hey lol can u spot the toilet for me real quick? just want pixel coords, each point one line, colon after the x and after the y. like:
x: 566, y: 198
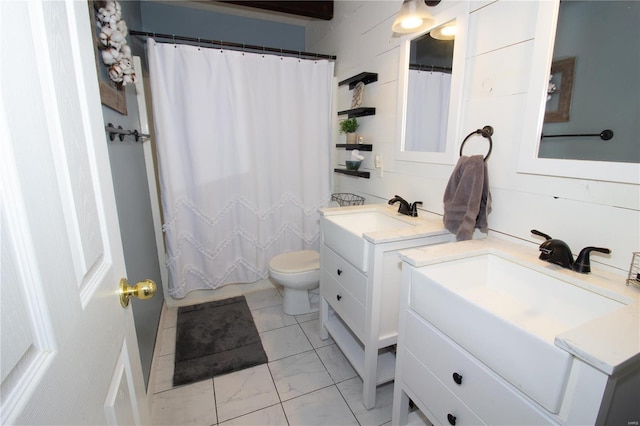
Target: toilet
x: 298, y: 272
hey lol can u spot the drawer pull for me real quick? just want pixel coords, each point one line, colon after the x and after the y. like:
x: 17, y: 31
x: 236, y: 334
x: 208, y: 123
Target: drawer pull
x: 339, y: 271
x: 457, y: 378
x: 338, y: 297
x: 452, y: 419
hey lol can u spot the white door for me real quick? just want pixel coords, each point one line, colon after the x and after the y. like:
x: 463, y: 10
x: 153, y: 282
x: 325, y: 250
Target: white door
x: 68, y: 349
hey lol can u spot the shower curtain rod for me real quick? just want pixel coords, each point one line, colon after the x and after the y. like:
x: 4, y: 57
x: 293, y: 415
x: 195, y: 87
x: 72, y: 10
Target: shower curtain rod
x: 236, y: 46
x: 422, y: 67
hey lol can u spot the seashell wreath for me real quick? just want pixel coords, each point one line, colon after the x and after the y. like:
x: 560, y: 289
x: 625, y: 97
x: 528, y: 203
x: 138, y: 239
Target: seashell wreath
x: 115, y: 52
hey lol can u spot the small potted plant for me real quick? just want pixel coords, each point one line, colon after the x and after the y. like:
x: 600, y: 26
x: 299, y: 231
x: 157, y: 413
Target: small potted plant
x: 349, y: 126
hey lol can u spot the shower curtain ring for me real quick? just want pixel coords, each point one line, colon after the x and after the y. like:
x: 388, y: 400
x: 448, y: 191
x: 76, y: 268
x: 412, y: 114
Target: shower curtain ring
x: 174, y: 40
x: 281, y: 53
x: 263, y: 50
x: 221, y: 51
x: 198, y: 43
x: 243, y: 49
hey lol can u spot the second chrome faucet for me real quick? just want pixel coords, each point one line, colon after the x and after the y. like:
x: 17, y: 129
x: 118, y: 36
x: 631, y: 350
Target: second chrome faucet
x: 406, y: 208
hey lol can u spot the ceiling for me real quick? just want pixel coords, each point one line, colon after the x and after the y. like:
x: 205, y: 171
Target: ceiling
x: 288, y: 12
x: 314, y: 9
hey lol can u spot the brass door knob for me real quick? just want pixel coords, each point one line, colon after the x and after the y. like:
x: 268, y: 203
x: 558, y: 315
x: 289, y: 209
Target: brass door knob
x: 143, y: 290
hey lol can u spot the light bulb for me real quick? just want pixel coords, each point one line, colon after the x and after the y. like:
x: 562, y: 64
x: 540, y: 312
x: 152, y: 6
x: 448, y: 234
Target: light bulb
x: 449, y: 31
x: 411, y: 22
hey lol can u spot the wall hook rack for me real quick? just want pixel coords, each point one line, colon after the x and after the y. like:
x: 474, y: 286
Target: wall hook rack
x: 113, y: 131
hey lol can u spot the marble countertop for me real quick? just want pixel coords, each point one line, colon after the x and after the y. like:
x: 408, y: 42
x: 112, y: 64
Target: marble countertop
x: 425, y: 225
x: 610, y: 343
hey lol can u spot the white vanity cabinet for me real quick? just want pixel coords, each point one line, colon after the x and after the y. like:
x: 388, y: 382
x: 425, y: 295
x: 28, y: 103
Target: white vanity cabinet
x: 360, y: 283
x: 449, y: 385
x: 453, y: 381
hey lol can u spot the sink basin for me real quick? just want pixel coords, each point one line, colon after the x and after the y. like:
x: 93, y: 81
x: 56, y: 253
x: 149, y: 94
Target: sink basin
x: 364, y: 222
x: 516, y: 312
x: 351, y: 244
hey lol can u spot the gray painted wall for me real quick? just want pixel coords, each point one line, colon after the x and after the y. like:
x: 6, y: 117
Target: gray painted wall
x: 134, y: 210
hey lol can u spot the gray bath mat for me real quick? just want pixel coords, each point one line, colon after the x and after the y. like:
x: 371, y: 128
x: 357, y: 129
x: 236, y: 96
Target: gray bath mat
x: 215, y: 338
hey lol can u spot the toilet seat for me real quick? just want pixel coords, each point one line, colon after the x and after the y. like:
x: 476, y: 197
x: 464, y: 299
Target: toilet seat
x: 295, y: 262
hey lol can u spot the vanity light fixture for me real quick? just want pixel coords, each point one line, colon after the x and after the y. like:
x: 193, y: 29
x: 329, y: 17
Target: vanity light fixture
x: 446, y: 32
x: 414, y: 16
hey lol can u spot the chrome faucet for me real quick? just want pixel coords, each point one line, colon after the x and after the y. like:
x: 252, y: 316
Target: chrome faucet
x: 406, y: 208
x: 558, y: 252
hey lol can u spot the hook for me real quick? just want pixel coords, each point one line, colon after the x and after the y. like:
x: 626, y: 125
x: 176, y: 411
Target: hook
x: 112, y: 135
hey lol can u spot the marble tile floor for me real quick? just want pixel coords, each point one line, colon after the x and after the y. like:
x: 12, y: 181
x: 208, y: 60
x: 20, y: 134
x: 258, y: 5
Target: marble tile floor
x: 307, y: 381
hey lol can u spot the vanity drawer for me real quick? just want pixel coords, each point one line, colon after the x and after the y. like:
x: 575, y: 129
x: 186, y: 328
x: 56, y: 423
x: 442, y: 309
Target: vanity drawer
x: 345, y: 273
x: 433, y: 396
x: 344, y: 303
x: 488, y: 395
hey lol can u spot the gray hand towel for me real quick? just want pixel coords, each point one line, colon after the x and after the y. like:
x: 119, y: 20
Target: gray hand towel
x: 467, y: 200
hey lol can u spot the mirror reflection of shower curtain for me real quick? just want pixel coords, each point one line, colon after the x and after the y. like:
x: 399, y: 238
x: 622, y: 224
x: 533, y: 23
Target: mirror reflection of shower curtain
x: 427, y: 111
x: 244, y: 157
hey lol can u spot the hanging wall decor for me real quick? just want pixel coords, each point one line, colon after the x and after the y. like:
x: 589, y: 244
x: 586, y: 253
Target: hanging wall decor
x: 112, y: 94
x: 115, y: 52
x: 560, y: 91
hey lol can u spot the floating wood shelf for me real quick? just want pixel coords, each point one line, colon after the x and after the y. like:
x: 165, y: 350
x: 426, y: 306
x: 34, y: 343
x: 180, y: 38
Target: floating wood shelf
x: 353, y: 173
x: 358, y: 112
x: 365, y: 77
x: 359, y: 146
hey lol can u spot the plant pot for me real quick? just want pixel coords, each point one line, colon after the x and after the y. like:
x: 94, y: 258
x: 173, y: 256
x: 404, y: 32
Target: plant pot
x: 353, y: 165
x: 351, y: 138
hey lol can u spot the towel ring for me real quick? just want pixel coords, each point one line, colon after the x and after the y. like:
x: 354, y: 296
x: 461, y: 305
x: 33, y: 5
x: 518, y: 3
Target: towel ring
x: 486, y: 132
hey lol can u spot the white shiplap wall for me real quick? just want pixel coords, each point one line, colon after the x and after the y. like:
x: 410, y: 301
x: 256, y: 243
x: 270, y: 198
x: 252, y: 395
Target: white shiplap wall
x: 498, y: 68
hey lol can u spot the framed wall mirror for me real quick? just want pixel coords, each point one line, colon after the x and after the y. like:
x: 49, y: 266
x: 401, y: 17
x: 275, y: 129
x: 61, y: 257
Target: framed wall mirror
x: 588, y: 128
x: 430, y: 89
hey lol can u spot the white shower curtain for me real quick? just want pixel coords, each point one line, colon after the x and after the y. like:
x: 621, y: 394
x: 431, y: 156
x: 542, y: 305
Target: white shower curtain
x: 244, y: 155
x: 427, y: 111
